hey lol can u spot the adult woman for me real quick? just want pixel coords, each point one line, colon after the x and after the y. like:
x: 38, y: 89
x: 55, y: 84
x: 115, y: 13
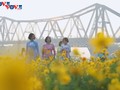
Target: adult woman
x: 65, y: 48
x: 48, y: 49
x: 32, y: 49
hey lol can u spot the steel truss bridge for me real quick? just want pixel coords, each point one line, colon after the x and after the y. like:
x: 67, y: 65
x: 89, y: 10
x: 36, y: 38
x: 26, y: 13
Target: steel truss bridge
x: 79, y: 27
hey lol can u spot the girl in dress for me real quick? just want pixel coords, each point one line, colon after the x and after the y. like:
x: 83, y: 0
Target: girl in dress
x: 48, y: 49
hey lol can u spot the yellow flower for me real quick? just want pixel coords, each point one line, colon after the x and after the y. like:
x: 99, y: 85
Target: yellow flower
x: 101, y: 41
x: 58, y: 67
x: 114, y: 75
x: 64, y: 79
x: 118, y: 69
x: 17, y: 75
x: 75, y: 70
x: 51, y: 58
x: 35, y: 84
x: 117, y: 53
x: 76, y: 52
x: 66, y: 59
x: 64, y: 53
x: 46, y: 71
x: 114, y: 85
x: 100, y: 76
x: 38, y: 59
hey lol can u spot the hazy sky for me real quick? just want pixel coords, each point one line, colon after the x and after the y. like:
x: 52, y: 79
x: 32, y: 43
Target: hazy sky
x: 38, y: 9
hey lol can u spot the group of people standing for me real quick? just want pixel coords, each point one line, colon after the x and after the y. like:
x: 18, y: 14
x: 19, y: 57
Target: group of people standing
x: 48, y: 49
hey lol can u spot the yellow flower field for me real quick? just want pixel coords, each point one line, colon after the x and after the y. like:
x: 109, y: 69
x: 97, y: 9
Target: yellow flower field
x: 96, y: 73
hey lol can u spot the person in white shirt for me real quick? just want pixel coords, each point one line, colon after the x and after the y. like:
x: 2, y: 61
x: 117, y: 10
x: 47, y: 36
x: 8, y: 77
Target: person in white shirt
x: 65, y: 47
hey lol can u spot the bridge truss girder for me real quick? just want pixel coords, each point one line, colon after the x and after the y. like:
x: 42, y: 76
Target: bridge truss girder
x: 85, y: 23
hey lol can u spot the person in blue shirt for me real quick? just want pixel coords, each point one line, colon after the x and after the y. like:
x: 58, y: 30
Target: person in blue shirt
x: 32, y: 48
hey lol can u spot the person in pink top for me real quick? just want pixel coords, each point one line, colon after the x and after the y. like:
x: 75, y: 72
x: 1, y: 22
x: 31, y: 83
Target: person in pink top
x: 48, y: 49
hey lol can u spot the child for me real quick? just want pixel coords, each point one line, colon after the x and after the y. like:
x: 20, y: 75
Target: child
x: 59, y: 50
x: 48, y: 49
x: 59, y: 47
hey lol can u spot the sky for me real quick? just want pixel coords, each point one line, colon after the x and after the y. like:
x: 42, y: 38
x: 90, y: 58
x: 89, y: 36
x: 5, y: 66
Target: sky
x: 39, y: 9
